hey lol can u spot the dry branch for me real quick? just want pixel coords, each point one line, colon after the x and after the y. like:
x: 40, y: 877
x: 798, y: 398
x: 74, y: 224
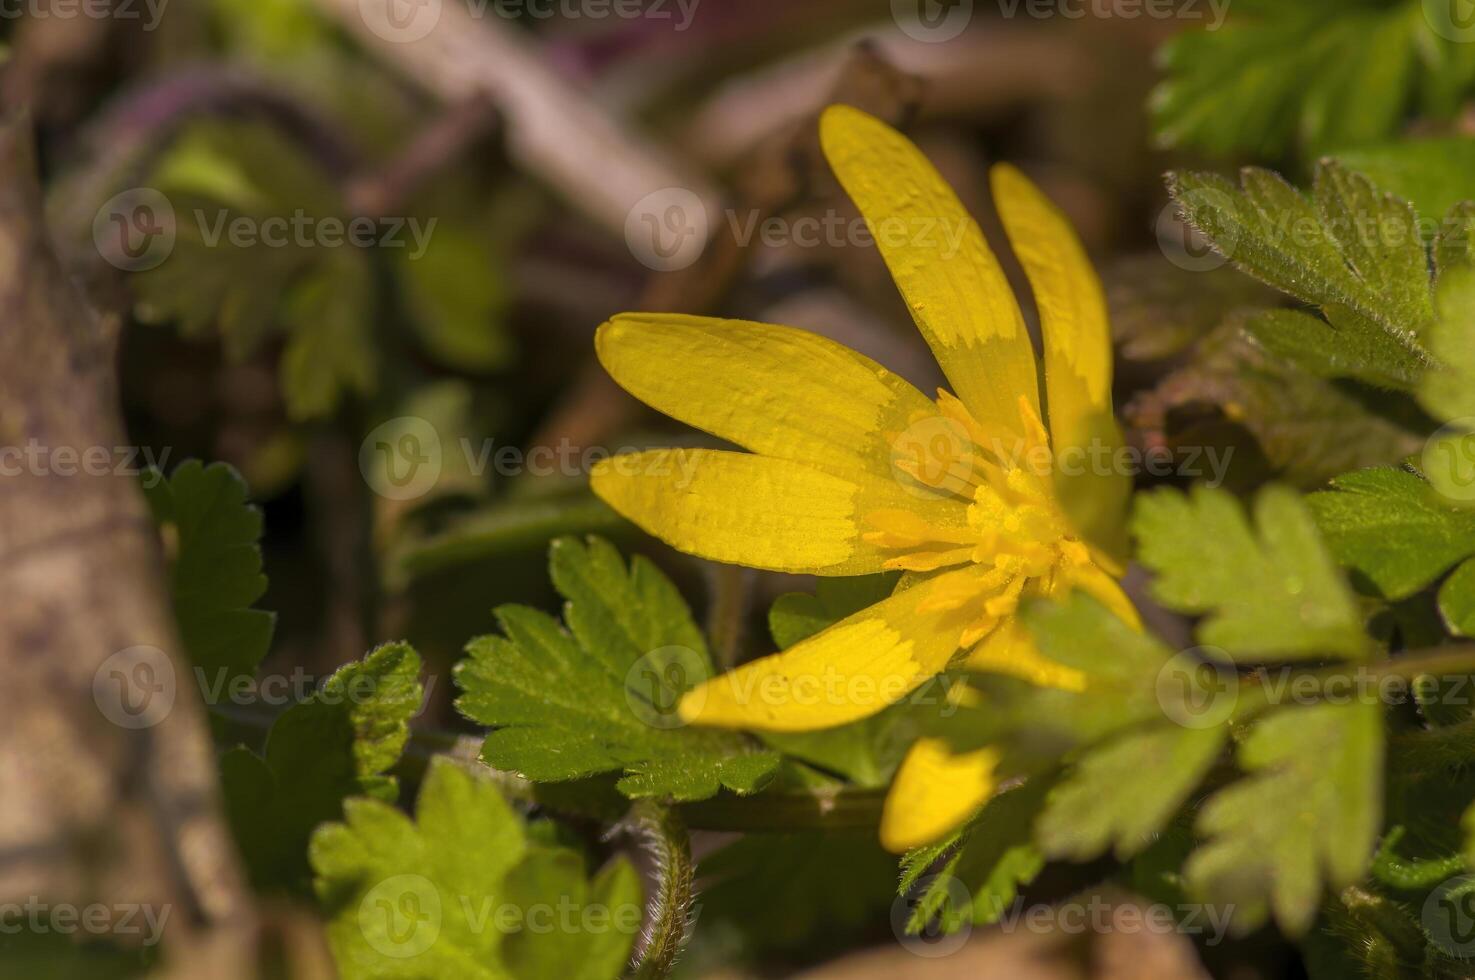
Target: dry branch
x: 95, y: 811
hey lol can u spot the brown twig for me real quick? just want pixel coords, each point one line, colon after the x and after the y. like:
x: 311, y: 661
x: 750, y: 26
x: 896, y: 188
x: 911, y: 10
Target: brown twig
x: 108, y: 774
x: 442, y: 142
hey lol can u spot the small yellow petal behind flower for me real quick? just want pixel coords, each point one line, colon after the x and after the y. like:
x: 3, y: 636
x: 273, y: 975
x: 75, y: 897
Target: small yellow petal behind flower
x: 934, y: 792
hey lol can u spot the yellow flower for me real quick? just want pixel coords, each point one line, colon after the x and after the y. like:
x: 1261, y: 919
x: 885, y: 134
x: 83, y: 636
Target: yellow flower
x: 850, y: 470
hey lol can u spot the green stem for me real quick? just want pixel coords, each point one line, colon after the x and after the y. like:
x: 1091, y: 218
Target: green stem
x: 662, y: 837
x: 1451, y: 659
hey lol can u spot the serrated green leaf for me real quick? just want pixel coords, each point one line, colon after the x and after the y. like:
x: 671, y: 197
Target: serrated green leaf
x: 600, y: 695
x: 1457, y: 600
x: 1320, y: 349
x: 1312, y: 75
x: 1392, y: 527
x: 1449, y: 391
x: 1121, y: 793
x: 1268, y: 590
x: 1433, y: 174
x: 1306, y: 817
x: 975, y: 876
x: 215, y: 576
x: 1350, y: 250
x: 339, y: 742
x: 464, y: 890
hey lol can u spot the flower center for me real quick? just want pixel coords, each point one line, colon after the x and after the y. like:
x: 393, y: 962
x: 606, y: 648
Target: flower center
x: 1005, y: 521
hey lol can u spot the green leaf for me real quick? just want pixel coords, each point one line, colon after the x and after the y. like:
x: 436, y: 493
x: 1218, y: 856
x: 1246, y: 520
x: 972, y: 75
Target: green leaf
x: 832, y: 883
x: 1433, y: 174
x: 1320, y: 349
x: 331, y: 353
x: 249, y: 289
x: 1350, y: 250
x: 975, y: 876
x: 215, y: 575
x: 1307, y: 816
x: 1036, y: 728
x: 465, y: 890
x: 600, y: 695
x: 1121, y: 793
x: 1392, y: 527
x: 1449, y: 392
x: 457, y: 299
x: 339, y: 742
x: 796, y: 616
x: 1312, y: 75
x: 1268, y: 589
x: 1457, y: 600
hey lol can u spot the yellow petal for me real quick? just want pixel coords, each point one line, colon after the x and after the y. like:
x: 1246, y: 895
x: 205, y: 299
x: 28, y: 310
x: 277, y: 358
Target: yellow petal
x: 934, y: 792
x: 775, y: 390
x: 757, y: 510
x: 1009, y: 649
x: 950, y: 279
x: 1103, y: 588
x: 846, y: 672
x: 1077, y: 341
